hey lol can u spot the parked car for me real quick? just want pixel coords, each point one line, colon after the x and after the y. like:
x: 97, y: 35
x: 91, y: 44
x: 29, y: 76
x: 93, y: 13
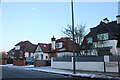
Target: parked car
x: 30, y: 61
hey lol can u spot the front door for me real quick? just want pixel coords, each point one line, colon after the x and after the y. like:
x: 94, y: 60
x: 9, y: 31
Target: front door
x: 41, y: 56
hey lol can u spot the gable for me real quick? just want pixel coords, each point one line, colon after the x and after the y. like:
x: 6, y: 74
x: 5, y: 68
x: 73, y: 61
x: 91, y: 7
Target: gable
x: 107, y: 31
x: 38, y: 49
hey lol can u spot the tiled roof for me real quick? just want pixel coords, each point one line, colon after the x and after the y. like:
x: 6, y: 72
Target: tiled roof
x: 11, y: 51
x: 45, y: 47
x: 68, y: 45
x: 112, y: 28
x: 26, y: 46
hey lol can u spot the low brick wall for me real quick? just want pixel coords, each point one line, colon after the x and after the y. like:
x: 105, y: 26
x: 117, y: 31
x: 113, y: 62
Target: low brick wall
x: 3, y: 62
x: 38, y: 63
x: 18, y: 62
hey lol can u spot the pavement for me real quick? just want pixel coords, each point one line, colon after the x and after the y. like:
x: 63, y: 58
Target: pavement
x: 83, y: 74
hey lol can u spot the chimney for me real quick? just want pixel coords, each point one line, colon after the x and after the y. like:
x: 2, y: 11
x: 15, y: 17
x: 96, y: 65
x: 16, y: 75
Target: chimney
x: 118, y: 19
x: 53, y: 43
x: 105, y: 20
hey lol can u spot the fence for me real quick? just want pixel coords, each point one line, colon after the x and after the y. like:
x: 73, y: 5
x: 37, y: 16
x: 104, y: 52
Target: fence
x: 91, y: 63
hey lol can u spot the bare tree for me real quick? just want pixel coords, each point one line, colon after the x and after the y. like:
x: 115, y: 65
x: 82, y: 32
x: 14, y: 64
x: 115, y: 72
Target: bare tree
x: 3, y: 55
x: 79, y: 33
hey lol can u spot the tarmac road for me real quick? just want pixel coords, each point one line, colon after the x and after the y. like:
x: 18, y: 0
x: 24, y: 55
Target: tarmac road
x: 16, y: 73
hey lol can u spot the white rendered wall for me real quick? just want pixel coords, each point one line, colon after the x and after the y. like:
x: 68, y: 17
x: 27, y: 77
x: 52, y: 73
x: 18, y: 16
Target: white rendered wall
x: 53, y: 44
x: 108, y: 43
x: 61, y: 65
x: 90, y: 66
x: 118, y: 50
x: 113, y: 43
x: 87, y: 66
x: 38, y: 49
x: 44, y: 56
x: 39, y: 55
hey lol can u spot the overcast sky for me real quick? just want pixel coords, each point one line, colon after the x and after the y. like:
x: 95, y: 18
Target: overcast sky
x: 39, y: 21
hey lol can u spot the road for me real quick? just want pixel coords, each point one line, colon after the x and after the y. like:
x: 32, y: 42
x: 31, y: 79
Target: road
x: 15, y: 73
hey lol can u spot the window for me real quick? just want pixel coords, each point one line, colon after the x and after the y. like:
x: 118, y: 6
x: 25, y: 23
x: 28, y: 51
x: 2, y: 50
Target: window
x: 59, y: 45
x: 89, y: 40
x: 41, y: 56
x: 17, y: 47
x: 36, y: 56
x: 102, y: 36
x: 46, y: 57
x: 45, y: 46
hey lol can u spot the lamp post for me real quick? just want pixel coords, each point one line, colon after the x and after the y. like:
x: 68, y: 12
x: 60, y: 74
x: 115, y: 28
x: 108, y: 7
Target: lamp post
x: 74, y: 71
x: 118, y: 24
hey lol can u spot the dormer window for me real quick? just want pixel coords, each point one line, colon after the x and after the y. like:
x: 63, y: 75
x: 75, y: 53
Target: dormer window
x: 17, y: 47
x: 45, y: 46
x: 89, y: 40
x: 59, y: 45
x: 102, y: 36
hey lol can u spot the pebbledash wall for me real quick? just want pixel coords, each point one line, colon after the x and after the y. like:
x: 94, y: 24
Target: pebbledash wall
x: 101, y: 63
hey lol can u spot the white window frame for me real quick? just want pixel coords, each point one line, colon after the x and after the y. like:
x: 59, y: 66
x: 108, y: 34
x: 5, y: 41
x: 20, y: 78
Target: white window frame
x: 103, y: 36
x: 17, y: 47
x: 59, y: 45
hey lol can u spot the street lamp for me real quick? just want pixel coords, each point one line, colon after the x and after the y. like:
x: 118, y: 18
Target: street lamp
x: 73, y: 36
x: 118, y: 24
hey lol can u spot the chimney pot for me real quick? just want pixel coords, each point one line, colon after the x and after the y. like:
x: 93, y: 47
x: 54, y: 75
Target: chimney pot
x: 105, y: 20
x: 118, y: 19
x: 53, y: 39
x: 53, y: 43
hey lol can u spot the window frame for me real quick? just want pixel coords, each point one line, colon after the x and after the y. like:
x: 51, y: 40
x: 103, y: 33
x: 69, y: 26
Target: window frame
x: 103, y: 36
x: 59, y: 45
x: 89, y: 40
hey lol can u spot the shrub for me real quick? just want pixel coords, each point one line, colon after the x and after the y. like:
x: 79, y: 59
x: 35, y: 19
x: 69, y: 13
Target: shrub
x: 10, y: 61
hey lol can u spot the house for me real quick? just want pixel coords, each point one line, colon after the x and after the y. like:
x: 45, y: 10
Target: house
x: 64, y: 47
x: 43, y: 55
x: 24, y: 49
x: 104, y: 39
x: 11, y: 53
x: 42, y: 51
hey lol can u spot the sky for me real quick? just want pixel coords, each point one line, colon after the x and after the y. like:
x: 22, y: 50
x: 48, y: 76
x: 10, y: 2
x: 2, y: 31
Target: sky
x: 38, y: 22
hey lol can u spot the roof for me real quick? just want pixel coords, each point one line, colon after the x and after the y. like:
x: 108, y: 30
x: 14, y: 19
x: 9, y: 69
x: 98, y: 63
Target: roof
x: 112, y: 28
x: 67, y: 46
x: 11, y: 51
x: 45, y: 47
x: 26, y: 46
x: 63, y: 39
